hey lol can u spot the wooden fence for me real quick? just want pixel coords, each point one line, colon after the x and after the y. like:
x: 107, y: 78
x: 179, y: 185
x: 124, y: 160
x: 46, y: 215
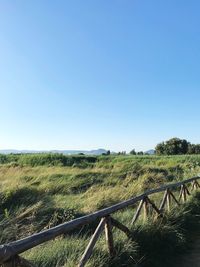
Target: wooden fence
x: 9, y: 253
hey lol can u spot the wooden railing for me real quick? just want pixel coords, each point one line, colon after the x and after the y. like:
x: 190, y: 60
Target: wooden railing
x: 9, y: 253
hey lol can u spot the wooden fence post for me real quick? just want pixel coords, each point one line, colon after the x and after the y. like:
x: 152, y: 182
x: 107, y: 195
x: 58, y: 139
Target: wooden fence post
x: 92, y: 243
x: 184, y: 194
x: 145, y: 208
x: 174, y: 198
x: 186, y: 190
x: 193, y: 186
x: 154, y: 207
x: 137, y: 214
x: 109, y: 236
x: 168, y: 200
x: 197, y: 184
x: 162, y: 205
x: 121, y: 227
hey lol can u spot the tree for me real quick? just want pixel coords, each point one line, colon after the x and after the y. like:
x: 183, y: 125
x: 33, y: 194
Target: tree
x: 174, y: 146
x: 160, y: 149
x: 108, y: 153
x: 132, y: 152
x: 193, y: 149
x: 177, y: 146
x: 197, y: 149
x: 121, y: 153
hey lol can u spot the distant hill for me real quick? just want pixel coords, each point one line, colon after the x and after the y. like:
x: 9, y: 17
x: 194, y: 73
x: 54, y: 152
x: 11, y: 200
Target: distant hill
x: 150, y: 152
x: 99, y: 151
x: 65, y: 152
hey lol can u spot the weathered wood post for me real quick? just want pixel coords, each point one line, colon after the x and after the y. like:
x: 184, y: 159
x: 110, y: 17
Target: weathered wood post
x: 193, y: 186
x: 109, y: 236
x: 137, y: 214
x: 174, y: 198
x: 197, y: 184
x: 121, y: 227
x: 145, y: 209
x: 162, y: 205
x: 184, y: 194
x: 154, y: 207
x: 168, y: 200
x: 92, y: 243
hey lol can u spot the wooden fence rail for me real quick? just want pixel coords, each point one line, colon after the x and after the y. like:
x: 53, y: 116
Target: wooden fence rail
x: 9, y: 253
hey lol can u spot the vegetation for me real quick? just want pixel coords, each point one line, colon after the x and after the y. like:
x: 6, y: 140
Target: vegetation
x: 132, y: 152
x: 176, y: 146
x: 40, y: 191
x: 51, y: 159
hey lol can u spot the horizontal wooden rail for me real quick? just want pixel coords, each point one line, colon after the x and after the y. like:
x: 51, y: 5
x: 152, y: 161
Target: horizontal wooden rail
x: 12, y: 249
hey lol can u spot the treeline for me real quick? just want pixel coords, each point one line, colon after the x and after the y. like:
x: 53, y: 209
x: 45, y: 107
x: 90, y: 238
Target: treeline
x: 177, y: 146
x: 50, y: 159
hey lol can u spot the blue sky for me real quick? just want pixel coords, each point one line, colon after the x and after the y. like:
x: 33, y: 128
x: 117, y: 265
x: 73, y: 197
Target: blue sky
x: 90, y: 74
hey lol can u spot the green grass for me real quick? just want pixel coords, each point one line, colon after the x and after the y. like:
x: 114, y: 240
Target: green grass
x: 40, y: 191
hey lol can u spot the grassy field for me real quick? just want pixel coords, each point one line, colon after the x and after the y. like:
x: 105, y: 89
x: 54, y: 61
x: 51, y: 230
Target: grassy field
x: 40, y: 191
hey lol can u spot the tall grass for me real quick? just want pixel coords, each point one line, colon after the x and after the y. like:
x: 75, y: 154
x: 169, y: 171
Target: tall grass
x: 40, y: 191
x: 154, y: 243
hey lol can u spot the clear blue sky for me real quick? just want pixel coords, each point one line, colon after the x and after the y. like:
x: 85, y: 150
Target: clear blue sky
x: 88, y: 74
